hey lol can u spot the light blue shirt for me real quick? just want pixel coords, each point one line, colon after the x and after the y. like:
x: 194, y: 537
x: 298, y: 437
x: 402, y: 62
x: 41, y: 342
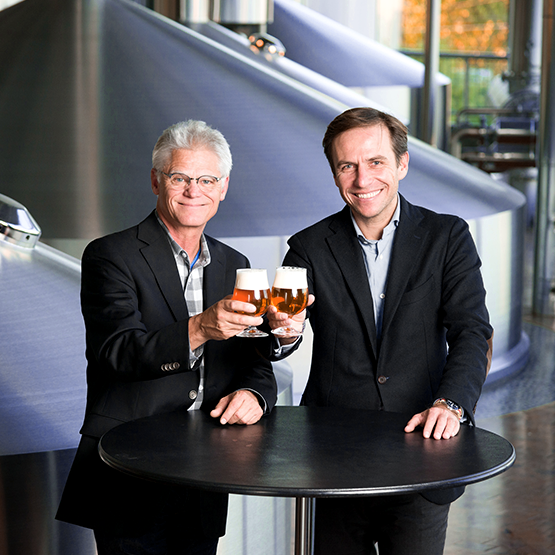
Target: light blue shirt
x: 377, y: 255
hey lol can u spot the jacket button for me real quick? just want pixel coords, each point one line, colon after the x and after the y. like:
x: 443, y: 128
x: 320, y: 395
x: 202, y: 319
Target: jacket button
x: 164, y: 367
x: 193, y: 394
x: 382, y: 379
x: 175, y: 365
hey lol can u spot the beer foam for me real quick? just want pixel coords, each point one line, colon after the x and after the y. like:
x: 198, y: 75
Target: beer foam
x: 288, y: 277
x: 252, y: 279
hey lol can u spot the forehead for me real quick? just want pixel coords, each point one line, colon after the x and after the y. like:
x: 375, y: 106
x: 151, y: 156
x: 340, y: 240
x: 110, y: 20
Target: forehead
x: 183, y: 158
x: 363, y: 141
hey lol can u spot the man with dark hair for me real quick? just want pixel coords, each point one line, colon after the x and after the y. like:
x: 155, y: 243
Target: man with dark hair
x: 160, y: 337
x: 399, y: 321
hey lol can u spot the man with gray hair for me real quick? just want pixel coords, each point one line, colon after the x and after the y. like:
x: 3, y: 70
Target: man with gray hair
x: 160, y: 336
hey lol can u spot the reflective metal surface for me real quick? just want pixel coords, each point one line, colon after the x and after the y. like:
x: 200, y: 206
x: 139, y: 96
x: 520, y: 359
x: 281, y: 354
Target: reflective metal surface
x: 337, y: 52
x: 17, y: 226
x: 116, y: 74
x: 544, y: 266
x: 42, y: 356
x: 242, y: 11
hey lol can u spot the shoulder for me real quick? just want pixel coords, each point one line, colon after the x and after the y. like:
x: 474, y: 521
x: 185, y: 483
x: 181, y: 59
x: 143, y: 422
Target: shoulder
x: 329, y: 225
x: 127, y: 240
x: 218, y: 249
x: 435, y: 222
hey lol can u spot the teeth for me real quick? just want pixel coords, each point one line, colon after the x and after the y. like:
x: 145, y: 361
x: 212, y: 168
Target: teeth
x: 368, y: 195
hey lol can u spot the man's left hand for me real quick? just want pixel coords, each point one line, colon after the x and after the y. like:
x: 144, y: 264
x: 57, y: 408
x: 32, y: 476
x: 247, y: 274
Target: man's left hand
x: 239, y: 407
x: 438, y: 421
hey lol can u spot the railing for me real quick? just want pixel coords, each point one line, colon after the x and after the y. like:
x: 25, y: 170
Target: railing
x: 471, y: 76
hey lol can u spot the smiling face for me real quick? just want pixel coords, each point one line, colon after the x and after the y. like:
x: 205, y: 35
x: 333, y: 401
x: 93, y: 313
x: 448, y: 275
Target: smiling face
x: 367, y: 175
x: 186, y: 210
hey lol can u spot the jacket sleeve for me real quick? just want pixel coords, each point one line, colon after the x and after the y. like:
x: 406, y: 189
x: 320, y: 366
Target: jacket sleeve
x: 115, y: 304
x: 465, y: 317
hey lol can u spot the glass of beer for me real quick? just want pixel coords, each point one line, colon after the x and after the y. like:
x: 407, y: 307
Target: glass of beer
x: 251, y: 286
x: 289, y: 295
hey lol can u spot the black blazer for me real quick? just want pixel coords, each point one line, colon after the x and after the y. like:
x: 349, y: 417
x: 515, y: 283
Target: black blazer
x: 434, y: 298
x: 137, y: 351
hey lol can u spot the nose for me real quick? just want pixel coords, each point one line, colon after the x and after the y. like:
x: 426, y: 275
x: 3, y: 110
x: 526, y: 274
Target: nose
x: 192, y: 189
x: 363, y: 176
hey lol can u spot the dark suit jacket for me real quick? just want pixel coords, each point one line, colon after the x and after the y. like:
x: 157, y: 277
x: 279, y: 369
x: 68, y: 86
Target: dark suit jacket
x: 434, y: 298
x: 137, y: 349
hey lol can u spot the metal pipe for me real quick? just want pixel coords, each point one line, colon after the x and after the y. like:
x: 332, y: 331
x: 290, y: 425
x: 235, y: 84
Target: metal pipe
x: 304, y: 525
x: 542, y: 302
x: 428, y: 125
x: 524, y: 45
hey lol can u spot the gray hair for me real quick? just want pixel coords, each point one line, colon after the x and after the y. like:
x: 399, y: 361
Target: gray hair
x: 191, y: 135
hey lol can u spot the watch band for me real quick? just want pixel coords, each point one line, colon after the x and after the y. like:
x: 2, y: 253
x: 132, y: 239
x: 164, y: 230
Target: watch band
x: 450, y: 405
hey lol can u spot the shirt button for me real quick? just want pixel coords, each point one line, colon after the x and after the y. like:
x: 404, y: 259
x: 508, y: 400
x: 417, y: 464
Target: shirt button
x: 192, y: 394
x: 382, y: 296
x: 382, y: 379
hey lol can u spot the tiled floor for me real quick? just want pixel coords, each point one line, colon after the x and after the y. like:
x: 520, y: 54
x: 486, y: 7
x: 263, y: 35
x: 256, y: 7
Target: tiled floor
x: 514, y: 513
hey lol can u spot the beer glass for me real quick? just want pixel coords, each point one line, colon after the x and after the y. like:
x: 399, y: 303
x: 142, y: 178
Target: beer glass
x: 289, y: 295
x: 251, y: 286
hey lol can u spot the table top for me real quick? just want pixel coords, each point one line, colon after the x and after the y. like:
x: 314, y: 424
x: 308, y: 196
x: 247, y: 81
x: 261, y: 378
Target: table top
x: 303, y: 452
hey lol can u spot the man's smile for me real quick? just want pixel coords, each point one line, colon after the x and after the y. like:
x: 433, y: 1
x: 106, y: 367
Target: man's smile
x: 368, y: 195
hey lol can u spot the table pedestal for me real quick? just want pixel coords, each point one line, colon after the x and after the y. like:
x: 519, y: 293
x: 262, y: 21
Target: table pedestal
x: 304, y: 525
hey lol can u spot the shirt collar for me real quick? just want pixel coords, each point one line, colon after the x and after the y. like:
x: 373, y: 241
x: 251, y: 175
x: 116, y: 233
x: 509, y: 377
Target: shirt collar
x: 203, y: 259
x: 389, y: 228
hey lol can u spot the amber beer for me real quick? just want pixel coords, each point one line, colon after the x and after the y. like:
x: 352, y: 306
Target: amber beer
x: 251, y: 286
x: 289, y: 294
x: 290, y: 301
x: 260, y: 298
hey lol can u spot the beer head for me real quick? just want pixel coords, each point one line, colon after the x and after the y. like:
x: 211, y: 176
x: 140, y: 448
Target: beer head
x: 252, y: 279
x: 289, y: 277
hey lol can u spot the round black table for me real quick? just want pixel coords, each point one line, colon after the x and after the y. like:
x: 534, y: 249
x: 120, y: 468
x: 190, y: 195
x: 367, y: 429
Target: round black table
x: 303, y: 452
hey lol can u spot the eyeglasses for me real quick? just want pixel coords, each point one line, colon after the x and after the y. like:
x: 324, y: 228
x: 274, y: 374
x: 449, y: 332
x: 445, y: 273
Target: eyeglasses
x: 182, y: 181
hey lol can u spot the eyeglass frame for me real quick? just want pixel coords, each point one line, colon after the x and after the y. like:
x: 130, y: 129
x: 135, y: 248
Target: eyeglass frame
x: 170, y: 175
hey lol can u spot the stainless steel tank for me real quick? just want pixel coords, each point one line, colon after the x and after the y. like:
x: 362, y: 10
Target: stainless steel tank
x: 42, y: 392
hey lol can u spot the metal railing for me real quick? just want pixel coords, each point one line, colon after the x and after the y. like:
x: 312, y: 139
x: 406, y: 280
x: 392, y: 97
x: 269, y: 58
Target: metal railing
x: 471, y: 75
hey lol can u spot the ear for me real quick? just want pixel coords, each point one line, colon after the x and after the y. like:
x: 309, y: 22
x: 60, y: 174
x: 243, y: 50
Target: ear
x: 154, y: 181
x: 223, y: 192
x: 403, y: 167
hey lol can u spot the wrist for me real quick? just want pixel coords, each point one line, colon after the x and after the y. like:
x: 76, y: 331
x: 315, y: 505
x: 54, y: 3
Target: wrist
x: 450, y: 405
x: 196, y: 337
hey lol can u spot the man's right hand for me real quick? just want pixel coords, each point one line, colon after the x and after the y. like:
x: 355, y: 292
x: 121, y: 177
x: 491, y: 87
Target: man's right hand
x: 221, y: 321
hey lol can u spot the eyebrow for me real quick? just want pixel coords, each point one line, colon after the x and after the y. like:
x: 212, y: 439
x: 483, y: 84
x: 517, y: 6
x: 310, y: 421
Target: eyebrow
x: 378, y: 157
x: 371, y: 159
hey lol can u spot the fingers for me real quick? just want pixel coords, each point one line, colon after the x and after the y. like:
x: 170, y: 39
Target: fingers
x: 438, y: 422
x: 240, y: 407
x: 414, y: 422
x: 221, y: 321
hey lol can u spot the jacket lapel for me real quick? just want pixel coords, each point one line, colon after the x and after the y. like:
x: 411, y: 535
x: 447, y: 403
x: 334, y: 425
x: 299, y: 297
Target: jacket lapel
x: 159, y: 256
x: 409, y: 239
x: 347, y: 252
x: 214, y: 275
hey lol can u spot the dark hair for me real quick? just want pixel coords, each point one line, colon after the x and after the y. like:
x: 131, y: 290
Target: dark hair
x: 366, y: 117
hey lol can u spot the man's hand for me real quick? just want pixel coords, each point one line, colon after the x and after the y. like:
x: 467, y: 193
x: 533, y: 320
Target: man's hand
x: 239, y: 407
x: 221, y: 321
x: 278, y: 319
x: 444, y: 423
